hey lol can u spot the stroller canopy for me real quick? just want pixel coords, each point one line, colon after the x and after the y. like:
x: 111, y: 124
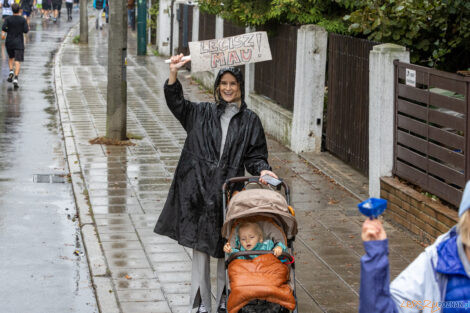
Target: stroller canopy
x: 260, y: 202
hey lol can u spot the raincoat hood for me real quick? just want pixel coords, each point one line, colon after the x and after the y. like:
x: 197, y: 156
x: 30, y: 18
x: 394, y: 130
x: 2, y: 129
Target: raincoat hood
x: 238, y: 75
x: 465, y: 203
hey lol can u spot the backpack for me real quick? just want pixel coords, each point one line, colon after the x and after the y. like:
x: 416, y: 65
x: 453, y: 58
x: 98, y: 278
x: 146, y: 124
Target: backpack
x: 99, y: 4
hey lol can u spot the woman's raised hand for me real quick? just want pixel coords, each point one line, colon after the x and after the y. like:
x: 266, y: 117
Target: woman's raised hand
x: 372, y: 229
x: 176, y: 63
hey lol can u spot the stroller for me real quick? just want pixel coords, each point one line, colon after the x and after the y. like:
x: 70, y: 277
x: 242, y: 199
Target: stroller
x: 265, y: 283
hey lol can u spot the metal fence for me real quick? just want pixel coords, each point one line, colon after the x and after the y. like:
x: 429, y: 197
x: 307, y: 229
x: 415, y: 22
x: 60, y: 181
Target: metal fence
x: 276, y: 78
x: 432, y: 139
x: 347, y: 118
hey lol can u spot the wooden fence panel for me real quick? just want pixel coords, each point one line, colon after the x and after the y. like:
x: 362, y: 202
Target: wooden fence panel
x: 206, y: 26
x: 432, y: 130
x: 347, y: 122
x: 275, y: 79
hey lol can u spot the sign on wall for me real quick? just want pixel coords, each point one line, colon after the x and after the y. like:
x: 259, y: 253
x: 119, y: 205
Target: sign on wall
x: 229, y: 51
x: 410, y: 78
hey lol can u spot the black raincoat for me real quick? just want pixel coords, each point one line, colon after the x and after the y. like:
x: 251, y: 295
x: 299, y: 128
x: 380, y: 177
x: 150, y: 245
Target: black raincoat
x: 192, y: 214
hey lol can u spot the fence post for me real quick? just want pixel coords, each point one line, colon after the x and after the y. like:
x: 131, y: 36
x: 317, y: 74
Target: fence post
x: 381, y: 111
x: 195, y: 23
x: 219, y: 27
x: 309, y: 88
x: 163, y: 27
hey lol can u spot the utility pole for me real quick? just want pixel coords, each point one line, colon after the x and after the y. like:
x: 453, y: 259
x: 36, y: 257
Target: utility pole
x: 116, y: 115
x: 83, y: 22
x: 142, y: 27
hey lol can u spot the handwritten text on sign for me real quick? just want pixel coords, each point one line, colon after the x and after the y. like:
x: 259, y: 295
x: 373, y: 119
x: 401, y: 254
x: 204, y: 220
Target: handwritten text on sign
x: 230, y: 51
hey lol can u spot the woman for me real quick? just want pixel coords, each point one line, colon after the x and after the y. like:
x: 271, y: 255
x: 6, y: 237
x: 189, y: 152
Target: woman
x: 223, y: 138
x: 438, y: 279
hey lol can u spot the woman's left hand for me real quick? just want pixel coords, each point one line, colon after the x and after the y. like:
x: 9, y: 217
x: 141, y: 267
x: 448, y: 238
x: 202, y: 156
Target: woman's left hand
x: 266, y: 172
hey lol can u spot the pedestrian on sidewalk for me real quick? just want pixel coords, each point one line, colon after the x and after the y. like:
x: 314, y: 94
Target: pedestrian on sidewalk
x: 56, y: 6
x: 106, y: 12
x: 223, y: 139
x: 46, y: 9
x: 99, y: 5
x: 131, y: 14
x: 6, y: 11
x: 27, y: 7
x: 14, y: 27
x: 69, y: 6
x: 439, y: 278
x: 6, y: 8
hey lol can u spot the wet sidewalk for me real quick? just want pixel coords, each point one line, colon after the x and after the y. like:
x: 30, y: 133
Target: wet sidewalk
x: 121, y: 190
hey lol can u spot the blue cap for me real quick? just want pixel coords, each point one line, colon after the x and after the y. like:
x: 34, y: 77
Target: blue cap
x: 465, y: 203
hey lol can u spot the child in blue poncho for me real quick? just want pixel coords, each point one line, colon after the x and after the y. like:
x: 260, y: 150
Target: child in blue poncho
x: 250, y: 237
x: 438, y: 280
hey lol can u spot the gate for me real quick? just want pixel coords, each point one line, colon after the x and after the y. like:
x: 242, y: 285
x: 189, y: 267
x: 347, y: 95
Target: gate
x: 275, y: 79
x: 206, y: 26
x: 185, y: 30
x: 347, y: 120
x: 432, y: 139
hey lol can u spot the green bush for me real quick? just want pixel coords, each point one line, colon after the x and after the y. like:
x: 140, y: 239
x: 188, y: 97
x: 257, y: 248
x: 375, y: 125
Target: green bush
x: 437, y: 32
x: 327, y: 13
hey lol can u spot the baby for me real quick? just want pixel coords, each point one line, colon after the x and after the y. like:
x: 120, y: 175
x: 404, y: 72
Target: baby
x: 250, y: 237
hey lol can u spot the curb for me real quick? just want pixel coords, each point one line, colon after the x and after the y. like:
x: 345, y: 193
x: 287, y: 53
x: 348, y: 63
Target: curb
x: 99, y: 270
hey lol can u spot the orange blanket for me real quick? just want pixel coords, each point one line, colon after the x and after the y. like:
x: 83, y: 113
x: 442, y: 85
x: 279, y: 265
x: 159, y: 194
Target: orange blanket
x: 264, y: 277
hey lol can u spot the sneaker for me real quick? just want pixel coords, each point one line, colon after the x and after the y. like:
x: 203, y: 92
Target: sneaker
x: 10, y: 77
x: 15, y: 82
x: 202, y: 309
x: 223, y: 304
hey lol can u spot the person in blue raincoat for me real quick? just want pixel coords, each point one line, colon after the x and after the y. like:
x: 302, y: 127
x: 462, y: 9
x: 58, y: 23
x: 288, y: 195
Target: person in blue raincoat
x: 438, y: 280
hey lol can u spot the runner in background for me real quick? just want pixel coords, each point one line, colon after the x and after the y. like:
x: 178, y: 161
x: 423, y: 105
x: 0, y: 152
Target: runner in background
x: 27, y: 7
x: 69, y: 5
x: 14, y: 27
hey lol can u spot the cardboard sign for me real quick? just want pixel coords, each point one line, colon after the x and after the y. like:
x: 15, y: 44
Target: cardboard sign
x: 229, y: 51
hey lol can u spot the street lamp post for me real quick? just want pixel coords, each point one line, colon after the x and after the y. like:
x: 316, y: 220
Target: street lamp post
x: 142, y: 27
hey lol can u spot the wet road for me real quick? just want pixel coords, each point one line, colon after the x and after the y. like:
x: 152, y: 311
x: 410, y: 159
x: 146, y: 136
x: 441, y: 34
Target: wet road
x: 42, y: 264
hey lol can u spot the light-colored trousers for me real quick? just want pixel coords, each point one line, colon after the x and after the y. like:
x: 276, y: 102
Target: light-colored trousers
x: 99, y: 18
x: 201, y: 280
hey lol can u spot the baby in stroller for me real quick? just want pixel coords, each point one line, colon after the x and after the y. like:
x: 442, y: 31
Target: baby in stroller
x: 260, y: 228
x: 250, y: 237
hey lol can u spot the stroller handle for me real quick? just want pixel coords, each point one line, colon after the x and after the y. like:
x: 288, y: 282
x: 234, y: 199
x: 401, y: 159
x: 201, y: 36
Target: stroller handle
x: 251, y: 179
x: 258, y: 252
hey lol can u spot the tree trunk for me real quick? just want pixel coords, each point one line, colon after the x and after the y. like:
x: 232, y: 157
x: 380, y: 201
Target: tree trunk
x: 83, y: 21
x: 116, y: 116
